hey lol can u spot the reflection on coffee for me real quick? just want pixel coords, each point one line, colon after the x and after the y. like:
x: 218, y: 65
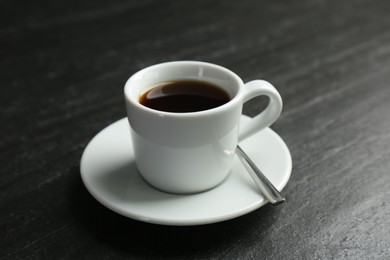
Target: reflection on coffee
x: 184, y: 96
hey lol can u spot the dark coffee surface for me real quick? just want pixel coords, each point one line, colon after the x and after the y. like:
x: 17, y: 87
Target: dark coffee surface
x: 184, y: 96
x: 63, y: 66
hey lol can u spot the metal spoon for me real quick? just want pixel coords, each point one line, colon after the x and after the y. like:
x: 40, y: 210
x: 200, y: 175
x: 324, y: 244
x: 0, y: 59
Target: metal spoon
x: 265, y: 186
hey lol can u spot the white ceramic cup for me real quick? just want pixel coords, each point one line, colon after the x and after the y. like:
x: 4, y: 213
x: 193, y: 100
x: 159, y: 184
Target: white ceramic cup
x: 192, y: 152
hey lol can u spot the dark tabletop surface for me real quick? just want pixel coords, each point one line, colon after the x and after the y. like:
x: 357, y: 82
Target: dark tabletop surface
x: 63, y: 65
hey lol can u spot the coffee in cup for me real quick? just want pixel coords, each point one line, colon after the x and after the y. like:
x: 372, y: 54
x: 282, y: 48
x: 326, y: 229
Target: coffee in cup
x: 183, y: 96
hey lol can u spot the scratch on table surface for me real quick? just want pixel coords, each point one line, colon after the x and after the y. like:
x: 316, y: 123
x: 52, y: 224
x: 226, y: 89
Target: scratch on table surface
x: 81, y: 16
x: 55, y: 175
x: 341, y: 238
x: 37, y: 240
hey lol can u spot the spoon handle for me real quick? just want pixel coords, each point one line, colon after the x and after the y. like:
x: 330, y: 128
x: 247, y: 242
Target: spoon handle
x: 265, y: 186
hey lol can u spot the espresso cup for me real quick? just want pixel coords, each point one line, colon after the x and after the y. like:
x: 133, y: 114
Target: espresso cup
x: 190, y: 152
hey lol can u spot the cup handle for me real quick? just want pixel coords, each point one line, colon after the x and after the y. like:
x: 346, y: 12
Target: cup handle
x: 268, y: 115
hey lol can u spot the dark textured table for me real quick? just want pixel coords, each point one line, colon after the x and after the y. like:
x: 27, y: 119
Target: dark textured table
x: 63, y: 67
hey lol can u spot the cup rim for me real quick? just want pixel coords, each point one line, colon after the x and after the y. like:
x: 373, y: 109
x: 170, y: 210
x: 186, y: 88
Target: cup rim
x: 221, y: 108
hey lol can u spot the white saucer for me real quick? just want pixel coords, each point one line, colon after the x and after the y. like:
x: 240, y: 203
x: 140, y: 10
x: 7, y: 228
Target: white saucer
x: 109, y: 173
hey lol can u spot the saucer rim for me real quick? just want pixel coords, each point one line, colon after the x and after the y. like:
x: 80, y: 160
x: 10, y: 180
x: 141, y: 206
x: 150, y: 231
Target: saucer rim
x: 183, y: 222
